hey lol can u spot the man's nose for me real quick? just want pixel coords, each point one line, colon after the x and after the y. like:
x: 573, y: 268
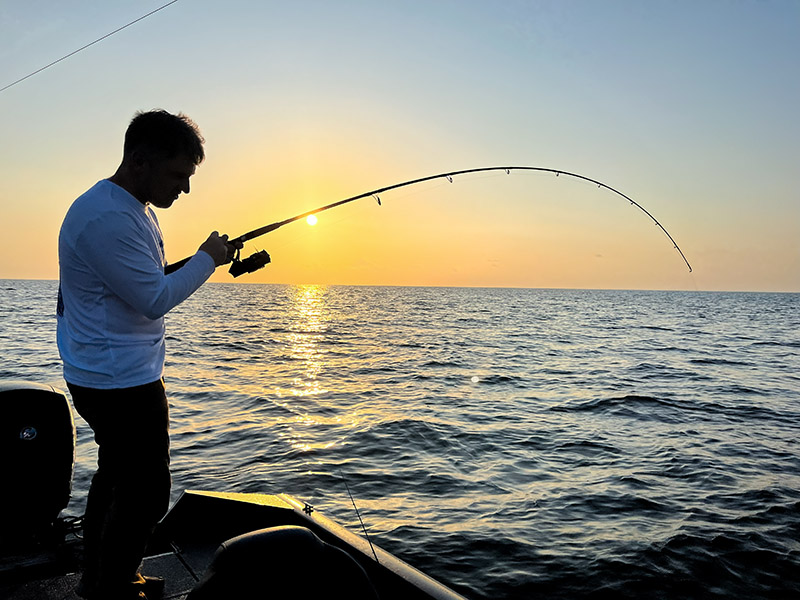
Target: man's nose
x: 185, y: 188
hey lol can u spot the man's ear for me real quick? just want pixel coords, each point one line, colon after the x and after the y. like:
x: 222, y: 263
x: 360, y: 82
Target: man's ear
x: 138, y: 159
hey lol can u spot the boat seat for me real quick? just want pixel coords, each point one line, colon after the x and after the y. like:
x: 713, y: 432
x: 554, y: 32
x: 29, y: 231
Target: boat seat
x: 37, y: 442
x: 282, y: 562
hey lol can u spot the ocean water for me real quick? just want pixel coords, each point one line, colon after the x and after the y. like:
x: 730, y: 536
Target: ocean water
x: 511, y: 443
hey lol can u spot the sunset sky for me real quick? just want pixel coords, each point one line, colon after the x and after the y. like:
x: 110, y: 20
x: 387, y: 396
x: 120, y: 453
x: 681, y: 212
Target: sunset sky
x: 688, y: 107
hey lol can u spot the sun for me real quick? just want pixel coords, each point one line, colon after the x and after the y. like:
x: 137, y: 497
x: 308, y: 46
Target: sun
x: 311, y: 219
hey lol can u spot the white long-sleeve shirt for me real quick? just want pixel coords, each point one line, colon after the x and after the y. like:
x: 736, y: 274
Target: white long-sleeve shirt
x: 113, y: 293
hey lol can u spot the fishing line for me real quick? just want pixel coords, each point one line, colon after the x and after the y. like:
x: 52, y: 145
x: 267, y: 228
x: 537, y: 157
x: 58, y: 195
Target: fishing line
x: 74, y: 52
x: 258, y: 261
x: 364, y: 529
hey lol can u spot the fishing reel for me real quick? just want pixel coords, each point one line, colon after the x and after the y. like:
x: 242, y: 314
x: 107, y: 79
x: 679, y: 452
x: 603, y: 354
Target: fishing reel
x: 252, y: 263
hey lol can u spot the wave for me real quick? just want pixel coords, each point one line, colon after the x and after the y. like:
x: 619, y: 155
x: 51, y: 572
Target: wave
x: 676, y: 410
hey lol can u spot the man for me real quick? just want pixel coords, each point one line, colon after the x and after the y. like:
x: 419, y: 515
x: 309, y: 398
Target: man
x: 113, y: 295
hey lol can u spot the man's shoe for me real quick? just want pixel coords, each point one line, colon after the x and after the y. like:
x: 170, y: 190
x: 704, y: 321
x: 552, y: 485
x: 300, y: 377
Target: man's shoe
x: 145, y: 588
x: 153, y: 587
x: 129, y: 593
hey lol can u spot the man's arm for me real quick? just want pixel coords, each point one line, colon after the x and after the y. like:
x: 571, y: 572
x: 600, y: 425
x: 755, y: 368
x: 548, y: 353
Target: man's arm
x: 123, y: 260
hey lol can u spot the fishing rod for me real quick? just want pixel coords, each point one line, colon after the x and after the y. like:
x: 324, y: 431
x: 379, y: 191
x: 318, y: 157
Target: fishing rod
x: 261, y: 259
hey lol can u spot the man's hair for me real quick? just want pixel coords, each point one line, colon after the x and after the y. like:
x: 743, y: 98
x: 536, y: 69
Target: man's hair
x: 159, y: 134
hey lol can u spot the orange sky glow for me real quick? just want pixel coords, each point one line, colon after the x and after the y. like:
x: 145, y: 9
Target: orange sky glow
x: 692, y: 115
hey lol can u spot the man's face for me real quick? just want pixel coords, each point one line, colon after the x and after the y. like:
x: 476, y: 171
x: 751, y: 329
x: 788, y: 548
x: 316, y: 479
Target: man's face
x: 162, y: 181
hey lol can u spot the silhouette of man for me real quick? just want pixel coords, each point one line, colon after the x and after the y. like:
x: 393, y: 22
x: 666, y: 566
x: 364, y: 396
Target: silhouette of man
x: 113, y: 295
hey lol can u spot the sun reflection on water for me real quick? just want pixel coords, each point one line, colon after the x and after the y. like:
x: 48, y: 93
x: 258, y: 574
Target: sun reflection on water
x: 309, y: 317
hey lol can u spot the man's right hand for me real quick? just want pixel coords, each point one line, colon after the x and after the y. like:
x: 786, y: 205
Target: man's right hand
x: 219, y: 249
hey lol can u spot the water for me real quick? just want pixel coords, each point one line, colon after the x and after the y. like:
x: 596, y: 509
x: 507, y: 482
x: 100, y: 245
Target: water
x: 511, y: 443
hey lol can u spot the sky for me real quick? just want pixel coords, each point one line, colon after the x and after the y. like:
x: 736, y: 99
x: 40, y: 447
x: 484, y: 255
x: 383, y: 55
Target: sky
x: 688, y: 107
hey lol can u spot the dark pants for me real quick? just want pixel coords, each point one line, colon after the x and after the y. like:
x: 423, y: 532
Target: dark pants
x: 130, y: 490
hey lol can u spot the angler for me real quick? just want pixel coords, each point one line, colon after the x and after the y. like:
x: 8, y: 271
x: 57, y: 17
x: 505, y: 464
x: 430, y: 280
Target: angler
x: 261, y: 259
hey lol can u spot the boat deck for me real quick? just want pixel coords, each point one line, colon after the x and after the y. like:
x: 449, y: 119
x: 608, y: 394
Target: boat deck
x: 186, y: 540
x: 179, y: 581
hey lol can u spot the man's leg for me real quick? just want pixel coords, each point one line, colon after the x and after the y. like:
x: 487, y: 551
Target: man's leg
x: 130, y: 490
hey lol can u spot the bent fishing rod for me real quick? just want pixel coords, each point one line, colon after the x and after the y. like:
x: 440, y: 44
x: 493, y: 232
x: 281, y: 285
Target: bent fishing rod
x: 261, y: 259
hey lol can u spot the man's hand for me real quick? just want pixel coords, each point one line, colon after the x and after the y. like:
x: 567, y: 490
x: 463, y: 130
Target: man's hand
x: 219, y: 248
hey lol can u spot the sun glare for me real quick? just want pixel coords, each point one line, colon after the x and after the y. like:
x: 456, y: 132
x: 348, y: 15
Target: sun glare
x: 311, y: 219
